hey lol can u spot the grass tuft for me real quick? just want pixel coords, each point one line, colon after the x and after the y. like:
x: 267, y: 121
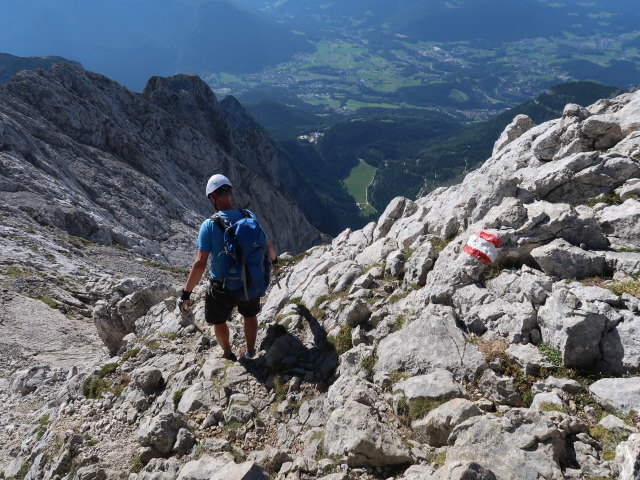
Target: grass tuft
x: 177, y: 396
x: 341, y: 342
x: 553, y: 356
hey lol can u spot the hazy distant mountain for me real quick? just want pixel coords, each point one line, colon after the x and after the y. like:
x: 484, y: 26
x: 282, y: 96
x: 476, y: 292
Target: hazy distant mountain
x: 131, y: 40
x: 10, y: 64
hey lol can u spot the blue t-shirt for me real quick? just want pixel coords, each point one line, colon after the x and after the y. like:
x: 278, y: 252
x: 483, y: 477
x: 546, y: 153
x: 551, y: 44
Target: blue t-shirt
x: 210, y: 237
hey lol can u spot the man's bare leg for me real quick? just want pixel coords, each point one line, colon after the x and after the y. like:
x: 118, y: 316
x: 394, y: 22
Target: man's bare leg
x: 221, y: 331
x: 250, y: 333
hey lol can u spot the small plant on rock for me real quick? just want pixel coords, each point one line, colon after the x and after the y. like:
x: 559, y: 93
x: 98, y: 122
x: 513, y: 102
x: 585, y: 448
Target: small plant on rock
x: 177, y: 396
x: 553, y: 356
x: 136, y: 465
x: 129, y: 354
x: 341, y: 342
x: 368, y: 364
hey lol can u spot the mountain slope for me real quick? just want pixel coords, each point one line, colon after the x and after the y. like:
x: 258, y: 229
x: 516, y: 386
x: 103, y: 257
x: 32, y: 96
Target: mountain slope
x: 487, y: 330
x: 10, y: 64
x: 83, y: 154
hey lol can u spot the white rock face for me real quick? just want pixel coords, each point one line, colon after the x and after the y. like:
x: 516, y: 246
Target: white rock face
x: 358, y: 340
x: 354, y: 431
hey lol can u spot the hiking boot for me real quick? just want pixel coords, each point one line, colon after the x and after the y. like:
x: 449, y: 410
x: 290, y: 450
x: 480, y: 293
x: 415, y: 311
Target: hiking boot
x: 249, y: 355
x: 229, y: 355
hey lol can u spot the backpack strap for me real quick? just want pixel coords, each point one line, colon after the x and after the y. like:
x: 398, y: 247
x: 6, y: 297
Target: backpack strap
x: 221, y: 222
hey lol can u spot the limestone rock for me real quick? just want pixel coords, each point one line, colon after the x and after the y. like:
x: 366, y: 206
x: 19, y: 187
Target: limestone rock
x: 435, y: 428
x: 519, y: 125
x: 355, y: 431
x: 628, y: 458
x: 617, y: 394
x: 430, y: 341
x: 563, y: 260
x: 438, y: 384
x: 521, y: 444
x: 148, y: 379
x: 573, y: 321
x: 160, y: 432
x: 499, y: 389
x: 620, y: 224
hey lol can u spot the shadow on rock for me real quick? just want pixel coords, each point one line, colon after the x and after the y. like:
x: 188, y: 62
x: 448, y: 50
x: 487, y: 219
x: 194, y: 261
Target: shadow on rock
x: 296, y: 346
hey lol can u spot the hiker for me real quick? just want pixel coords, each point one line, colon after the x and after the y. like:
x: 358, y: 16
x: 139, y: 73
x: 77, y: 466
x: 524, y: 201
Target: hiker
x: 227, y: 287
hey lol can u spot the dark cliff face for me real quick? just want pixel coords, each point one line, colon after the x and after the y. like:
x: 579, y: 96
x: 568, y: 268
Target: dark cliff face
x: 119, y: 167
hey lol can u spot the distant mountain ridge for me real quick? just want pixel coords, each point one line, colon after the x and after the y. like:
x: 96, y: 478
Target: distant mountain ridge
x: 154, y: 37
x: 10, y: 64
x: 83, y: 155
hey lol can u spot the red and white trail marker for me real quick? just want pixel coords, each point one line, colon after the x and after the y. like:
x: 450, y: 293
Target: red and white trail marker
x: 483, y: 246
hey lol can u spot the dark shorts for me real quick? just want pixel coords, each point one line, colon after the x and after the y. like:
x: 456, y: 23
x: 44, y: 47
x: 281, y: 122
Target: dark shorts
x: 218, y: 305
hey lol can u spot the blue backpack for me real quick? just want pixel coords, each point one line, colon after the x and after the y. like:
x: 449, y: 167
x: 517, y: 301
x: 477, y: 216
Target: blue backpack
x: 245, y: 259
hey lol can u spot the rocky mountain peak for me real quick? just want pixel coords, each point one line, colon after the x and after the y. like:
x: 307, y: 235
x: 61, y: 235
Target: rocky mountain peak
x: 487, y: 330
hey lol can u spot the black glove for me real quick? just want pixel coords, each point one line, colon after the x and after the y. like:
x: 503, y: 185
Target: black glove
x: 184, y: 302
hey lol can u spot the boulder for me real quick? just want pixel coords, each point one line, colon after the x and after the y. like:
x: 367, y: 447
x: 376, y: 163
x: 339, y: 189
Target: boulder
x: 351, y: 389
x: 630, y: 189
x: 130, y: 300
x: 432, y: 341
x: 499, y: 389
x: 198, y: 396
x: 435, y: 428
x: 573, y: 321
x: 563, y: 260
x: 160, y: 432
x: 394, y: 263
x: 419, y: 264
x: 518, y: 126
x: 621, y: 346
x: 521, y: 444
x: 620, y: 224
x: 617, y: 394
x: 628, y: 458
x: 356, y: 431
x: 148, y: 379
x: 548, y: 398
x: 205, y: 467
x: 439, y: 384
x: 456, y: 470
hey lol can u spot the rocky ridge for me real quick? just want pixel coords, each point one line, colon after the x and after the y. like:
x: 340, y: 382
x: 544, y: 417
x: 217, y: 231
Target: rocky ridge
x: 82, y: 154
x: 395, y: 352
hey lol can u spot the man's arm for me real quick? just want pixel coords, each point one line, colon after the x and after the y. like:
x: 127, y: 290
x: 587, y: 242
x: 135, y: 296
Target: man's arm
x: 197, y: 269
x: 272, y: 256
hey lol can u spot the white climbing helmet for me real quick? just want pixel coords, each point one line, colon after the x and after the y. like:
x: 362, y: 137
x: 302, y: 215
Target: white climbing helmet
x: 215, y: 182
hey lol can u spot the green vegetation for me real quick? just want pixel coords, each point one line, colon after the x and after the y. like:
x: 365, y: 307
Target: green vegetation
x: 151, y: 344
x: 107, y: 369
x: 552, y: 355
x: 43, y: 423
x: 129, y: 354
x: 438, y: 245
x: 417, y: 408
x: 552, y: 407
x: 177, y: 396
x: 631, y: 288
x: 608, y: 439
x: 135, y: 465
x: 94, y: 386
x: 358, y: 182
x: 50, y: 302
x: 341, y: 342
x: 610, y: 198
x: 368, y: 364
x: 437, y: 459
